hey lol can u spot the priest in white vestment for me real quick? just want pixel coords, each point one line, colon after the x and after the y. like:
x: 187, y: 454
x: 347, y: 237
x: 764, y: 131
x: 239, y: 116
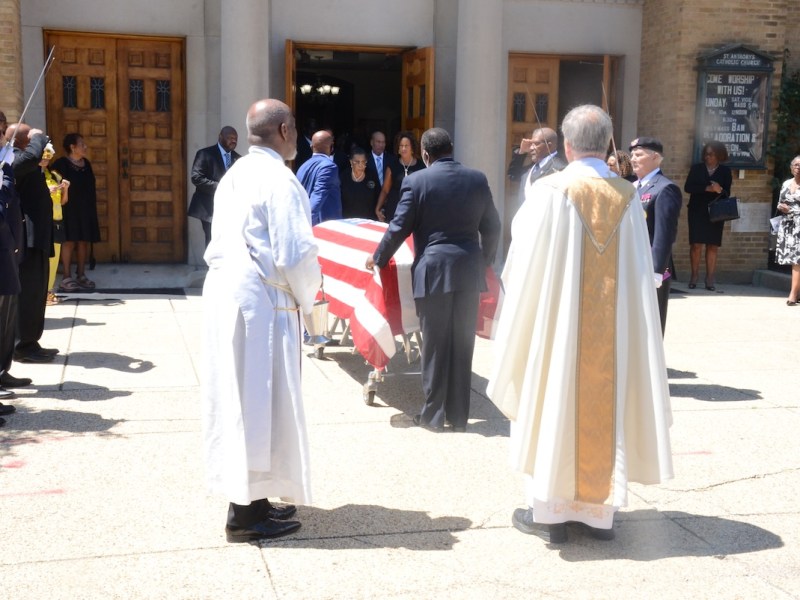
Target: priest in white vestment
x: 580, y: 367
x: 263, y: 272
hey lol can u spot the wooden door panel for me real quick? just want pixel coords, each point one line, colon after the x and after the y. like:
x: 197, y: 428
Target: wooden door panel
x: 81, y: 96
x: 150, y: 122
x: 126, y: 96
x: 532, y: 103
x: 417, y: 89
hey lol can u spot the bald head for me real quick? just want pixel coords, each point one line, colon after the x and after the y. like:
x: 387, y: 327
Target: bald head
x: 322, y: 142
x: 20, y: 132
x: 270, y: 124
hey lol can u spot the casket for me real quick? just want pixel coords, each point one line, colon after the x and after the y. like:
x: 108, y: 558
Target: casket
x: 378, y: 305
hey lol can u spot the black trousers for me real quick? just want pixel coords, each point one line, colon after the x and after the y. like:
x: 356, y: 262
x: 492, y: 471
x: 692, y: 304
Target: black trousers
x: 246, y: 515
x: 662, y: 295
x: 34, y: 272
x: 447, y: 322
x: 8, y: 331
x: 206, y: 231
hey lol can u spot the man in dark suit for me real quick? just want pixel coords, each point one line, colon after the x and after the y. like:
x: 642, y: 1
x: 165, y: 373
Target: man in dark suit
x: 208, y: 168
x: 542, y: 148
x: 378, y: 161
x: 320, y: 177
x: 34, y: 269
x: 12, y: 247
x: 661, y: 200
x: 448, y: 208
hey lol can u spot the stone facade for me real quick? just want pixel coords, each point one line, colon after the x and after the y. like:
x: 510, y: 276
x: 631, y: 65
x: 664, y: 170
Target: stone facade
x: 11, y: 100
x: 674, y: 34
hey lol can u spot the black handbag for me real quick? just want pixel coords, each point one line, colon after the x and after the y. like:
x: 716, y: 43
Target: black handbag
x: 723, y: 209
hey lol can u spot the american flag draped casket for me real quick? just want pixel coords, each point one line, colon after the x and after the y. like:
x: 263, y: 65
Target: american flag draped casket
x: 378, y: 305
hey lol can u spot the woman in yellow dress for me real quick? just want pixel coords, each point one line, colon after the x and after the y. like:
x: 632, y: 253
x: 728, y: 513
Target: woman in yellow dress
x: 58, y: 187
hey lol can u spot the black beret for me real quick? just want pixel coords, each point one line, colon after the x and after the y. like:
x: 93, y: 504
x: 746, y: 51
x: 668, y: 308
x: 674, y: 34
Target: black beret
x: 650, y: 143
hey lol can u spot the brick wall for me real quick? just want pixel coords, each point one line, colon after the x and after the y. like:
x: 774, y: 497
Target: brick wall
x: 11, y: 100
x: 674, y: 34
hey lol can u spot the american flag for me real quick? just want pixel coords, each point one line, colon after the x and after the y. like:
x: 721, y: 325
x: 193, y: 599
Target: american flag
x: 378, y: 305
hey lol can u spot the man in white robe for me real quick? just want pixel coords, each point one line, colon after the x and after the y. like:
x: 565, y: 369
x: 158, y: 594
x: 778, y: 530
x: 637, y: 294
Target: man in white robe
x: 263, y: 271
x: 580, y: 367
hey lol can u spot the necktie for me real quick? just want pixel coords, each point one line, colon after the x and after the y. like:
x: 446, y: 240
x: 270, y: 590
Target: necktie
x: 379, y: 166
x: 227, y: 158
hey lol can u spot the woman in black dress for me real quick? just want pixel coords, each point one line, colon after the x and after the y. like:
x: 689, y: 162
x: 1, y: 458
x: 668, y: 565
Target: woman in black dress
x: 407, y: 151
x: 359, y: 188
x: 706, y: 182
x: 80, y: 215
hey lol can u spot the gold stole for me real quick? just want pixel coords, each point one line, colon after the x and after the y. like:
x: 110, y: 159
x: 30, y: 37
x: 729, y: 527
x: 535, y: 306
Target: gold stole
x: 601, y: 204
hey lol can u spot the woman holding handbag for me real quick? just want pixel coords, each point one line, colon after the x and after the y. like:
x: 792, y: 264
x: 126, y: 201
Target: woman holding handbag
x: 788, y: 249
x: 707, y: 181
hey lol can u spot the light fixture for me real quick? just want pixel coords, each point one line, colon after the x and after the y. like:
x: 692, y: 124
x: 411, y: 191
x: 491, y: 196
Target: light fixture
x: 319, y: 89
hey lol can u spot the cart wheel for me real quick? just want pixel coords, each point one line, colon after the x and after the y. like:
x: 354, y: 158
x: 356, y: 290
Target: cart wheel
x: 318, y: 352
x: 369, y: 398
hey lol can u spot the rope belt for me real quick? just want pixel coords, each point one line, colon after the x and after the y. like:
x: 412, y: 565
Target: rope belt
x: 285, y: 289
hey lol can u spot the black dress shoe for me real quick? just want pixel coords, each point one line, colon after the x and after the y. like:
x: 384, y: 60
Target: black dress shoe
x: 552, y: 534
x: 260, y: 531
x: 281, y: 513
x: 9, y: 381
x: 7, y: 409
x: 48, y: 351
x: 33, y: 357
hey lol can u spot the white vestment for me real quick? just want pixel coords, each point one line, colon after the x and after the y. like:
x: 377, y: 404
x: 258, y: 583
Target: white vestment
x: 580, y: 366
x: 262, y: 264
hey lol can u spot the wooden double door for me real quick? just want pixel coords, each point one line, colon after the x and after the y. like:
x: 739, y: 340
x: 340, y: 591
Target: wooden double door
x: 125, y: 95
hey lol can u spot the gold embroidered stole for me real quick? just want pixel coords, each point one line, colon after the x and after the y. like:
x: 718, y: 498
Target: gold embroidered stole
x: 601, y: 204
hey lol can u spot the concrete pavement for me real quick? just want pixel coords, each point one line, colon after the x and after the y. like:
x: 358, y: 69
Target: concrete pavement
x: 102, y: 495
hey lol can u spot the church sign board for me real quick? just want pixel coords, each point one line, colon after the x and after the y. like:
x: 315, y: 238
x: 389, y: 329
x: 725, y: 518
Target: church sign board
x: 733, y: 96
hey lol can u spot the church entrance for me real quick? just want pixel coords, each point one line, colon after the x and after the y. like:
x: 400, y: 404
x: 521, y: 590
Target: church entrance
x: 354, y: 90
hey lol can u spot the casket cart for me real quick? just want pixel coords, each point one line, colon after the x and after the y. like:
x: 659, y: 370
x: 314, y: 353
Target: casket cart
x: 371, y: 308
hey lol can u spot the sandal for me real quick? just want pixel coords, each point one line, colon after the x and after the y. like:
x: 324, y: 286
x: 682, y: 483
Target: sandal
x: 52, y: 299
x: 791, y: 302
x: 85, y: 282
x: 68, y: 284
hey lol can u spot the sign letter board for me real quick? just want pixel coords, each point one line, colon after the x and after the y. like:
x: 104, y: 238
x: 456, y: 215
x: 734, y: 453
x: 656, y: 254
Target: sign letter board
x: 733, y: 96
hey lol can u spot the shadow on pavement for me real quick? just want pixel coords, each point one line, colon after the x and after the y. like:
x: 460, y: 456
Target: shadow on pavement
x: 712, y: 392
x: 675, y: 374
x: 646, y: 535
x: 68, y: 323
x: 366, y: 526
x: 45, y: 427
x: 109, y: 360
x: 74, y: 390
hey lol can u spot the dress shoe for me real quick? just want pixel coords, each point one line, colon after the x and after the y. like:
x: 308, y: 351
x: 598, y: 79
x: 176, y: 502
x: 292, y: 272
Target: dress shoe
x: 552, y: 534
x: 7, y: 409
x: 266, y: 529
x: 48, y: 351
x: 281, y: 513
x: 418, y: 422
x: 6, y: 394
x: 9, y: 381
x: 33, y: 357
